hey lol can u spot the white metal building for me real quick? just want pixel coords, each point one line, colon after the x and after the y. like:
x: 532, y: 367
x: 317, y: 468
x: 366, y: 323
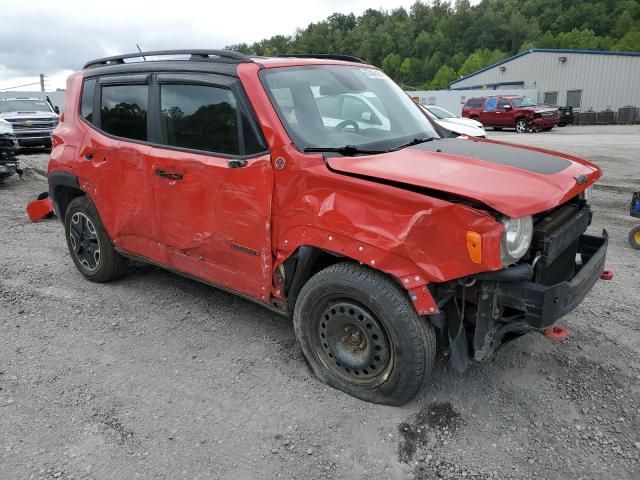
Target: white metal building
x: 583, y: 79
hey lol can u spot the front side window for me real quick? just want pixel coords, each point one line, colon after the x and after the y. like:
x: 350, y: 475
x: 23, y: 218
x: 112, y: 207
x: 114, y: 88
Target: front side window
x: 504, y: 104
x: 334, y: 106
x: 207, y: 118
x: 124, y: 111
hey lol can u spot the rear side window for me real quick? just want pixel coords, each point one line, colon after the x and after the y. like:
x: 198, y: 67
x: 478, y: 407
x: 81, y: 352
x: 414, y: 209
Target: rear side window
x: 207, y: 118
x: 474, y: 103
x: 123, y: 111
x: 86, y: 103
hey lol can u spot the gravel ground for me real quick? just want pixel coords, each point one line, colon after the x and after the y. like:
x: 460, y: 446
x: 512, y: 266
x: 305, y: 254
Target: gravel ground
x: 157, y: 376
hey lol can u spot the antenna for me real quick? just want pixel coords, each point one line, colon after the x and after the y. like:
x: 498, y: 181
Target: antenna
x: 143, y: 57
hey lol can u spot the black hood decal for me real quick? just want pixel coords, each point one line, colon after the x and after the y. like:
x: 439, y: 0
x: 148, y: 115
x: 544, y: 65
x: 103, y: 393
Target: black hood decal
x: 522, y: 158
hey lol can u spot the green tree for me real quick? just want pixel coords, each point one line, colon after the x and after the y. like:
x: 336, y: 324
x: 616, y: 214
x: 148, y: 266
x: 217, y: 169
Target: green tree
x: 443, y: 77
x: 391, y: 64
x: 629, y: 43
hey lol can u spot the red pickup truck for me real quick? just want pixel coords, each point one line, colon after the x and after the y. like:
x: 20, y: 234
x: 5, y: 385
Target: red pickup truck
x: 520, y: 113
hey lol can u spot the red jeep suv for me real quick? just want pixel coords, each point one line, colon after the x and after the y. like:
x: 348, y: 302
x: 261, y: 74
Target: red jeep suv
x: 317, y: 188
x: 520, y: 113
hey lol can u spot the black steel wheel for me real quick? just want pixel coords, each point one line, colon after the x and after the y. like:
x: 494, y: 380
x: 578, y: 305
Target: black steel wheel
x: 89, y: 245
x: 351, y: 338
x: 359, y: 333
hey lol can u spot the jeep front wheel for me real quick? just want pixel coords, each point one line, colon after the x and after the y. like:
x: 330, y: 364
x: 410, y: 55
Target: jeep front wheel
x: 89, y: 244
x: 522, y: 125
x: 360, y: 334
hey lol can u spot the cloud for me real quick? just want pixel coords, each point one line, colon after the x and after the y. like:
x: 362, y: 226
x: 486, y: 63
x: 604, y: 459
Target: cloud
x: 40, y: 37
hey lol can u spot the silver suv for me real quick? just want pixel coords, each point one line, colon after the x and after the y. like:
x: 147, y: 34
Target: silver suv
x: 33, y: 120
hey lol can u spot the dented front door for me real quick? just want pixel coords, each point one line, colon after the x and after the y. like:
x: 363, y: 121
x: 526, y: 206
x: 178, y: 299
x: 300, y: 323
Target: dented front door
x: 214, y: 217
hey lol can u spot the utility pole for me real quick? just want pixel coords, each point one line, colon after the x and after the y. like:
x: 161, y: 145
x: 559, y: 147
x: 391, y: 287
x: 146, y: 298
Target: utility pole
x: 42, y: 82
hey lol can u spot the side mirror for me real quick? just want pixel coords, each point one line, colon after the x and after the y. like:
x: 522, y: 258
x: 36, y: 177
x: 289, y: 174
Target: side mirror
x: 507, y: 107
x: 56, y: 109
x: 365, y: 117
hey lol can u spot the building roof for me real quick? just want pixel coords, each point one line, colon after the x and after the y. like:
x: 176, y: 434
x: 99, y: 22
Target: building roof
x: 546, y: 50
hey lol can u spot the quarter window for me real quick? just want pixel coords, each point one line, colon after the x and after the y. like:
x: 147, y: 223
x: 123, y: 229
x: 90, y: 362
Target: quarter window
x: 86, y: 104
x: 124, y: 111
x: 204, y: 118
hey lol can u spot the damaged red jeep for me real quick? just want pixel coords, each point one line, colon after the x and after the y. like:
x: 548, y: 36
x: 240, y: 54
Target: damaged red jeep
x: 317, y: 188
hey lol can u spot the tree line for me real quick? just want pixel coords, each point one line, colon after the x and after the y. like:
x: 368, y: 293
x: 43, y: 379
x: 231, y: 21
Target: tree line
x: 434, y: 43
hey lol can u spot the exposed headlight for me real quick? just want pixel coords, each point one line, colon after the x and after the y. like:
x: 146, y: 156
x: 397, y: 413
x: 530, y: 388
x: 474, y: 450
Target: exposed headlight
x: 586, y: 195
x: 516, y: 238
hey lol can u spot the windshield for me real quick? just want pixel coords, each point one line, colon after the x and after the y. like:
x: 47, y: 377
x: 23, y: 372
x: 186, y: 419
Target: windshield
x: 523, y: 102
x: 333, y: 106
x: 24, y: 105
x: 440, y: 112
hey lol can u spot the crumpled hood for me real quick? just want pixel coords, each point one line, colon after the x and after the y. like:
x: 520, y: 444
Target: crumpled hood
x: 512, y: 179
x: 543, y: 108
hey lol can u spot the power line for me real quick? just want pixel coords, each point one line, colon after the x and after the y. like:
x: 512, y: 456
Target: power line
x: 19, y: 86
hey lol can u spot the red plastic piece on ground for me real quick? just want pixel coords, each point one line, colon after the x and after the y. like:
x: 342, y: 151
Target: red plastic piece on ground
x: 607, y: 275
x: 39, y: 209
x: 557, y: 333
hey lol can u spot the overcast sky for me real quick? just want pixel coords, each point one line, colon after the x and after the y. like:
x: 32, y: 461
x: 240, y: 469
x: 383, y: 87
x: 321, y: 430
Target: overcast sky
x: 55, y: 38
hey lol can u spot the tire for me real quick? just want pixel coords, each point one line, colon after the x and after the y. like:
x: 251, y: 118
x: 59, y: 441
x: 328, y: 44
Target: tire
x: 522, y: 125
x: 360, y: 334
x: 89, y: 245
x: 547, y: 129
x: 634, y: 237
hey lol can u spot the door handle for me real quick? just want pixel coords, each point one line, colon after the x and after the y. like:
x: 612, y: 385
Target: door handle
x: 169, y: 175
x: 237, y: 163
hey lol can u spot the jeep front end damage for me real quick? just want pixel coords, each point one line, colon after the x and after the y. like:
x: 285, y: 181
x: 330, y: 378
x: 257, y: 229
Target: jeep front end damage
x: 482, y: 311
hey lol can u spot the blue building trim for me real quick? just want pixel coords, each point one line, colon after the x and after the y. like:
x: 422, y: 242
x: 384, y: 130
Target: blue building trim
x: 547, y: 50
x: 517, y: 83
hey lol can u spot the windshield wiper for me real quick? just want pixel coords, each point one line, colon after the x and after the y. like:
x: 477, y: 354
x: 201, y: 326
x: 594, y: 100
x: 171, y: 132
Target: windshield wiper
x: 347, y: 150
x: 415, y: 141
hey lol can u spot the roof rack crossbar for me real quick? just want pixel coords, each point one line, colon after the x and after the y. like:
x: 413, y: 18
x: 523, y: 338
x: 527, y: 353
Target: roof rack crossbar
x: 329, y: 56
x: 194, y: 55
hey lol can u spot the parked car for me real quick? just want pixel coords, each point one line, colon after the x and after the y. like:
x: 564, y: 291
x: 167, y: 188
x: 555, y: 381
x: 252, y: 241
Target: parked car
x: 520, y: 113
x: 382, y: 240
x: 33, y: 120
x: 8, y: 146
x: 453, y: 123
x: 566, y: 116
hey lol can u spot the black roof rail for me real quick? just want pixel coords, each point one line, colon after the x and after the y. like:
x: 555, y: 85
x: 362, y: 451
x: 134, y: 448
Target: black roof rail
x: 329, y: 56
x: 195, y: 55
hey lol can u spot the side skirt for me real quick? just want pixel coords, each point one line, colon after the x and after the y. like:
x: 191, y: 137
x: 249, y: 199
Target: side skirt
x: 139, y: 258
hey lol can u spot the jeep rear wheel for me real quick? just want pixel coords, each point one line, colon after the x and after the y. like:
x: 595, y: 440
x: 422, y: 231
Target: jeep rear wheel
x: 360, y: 334
x: 89, y: 244
x: 522, y: 125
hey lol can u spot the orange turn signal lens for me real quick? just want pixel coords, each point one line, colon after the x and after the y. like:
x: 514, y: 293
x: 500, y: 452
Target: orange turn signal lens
x: 474, y: 246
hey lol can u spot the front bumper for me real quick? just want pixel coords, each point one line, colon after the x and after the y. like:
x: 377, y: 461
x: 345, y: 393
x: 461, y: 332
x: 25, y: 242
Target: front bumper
x: 544, y: 122
x: 543, y: 305
x: 506, y: 309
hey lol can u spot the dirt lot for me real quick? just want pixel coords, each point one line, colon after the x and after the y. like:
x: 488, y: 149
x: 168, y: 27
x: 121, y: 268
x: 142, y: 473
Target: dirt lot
x: 157, y: 376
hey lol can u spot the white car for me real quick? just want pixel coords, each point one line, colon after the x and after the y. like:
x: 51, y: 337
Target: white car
x: 453, y: 123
